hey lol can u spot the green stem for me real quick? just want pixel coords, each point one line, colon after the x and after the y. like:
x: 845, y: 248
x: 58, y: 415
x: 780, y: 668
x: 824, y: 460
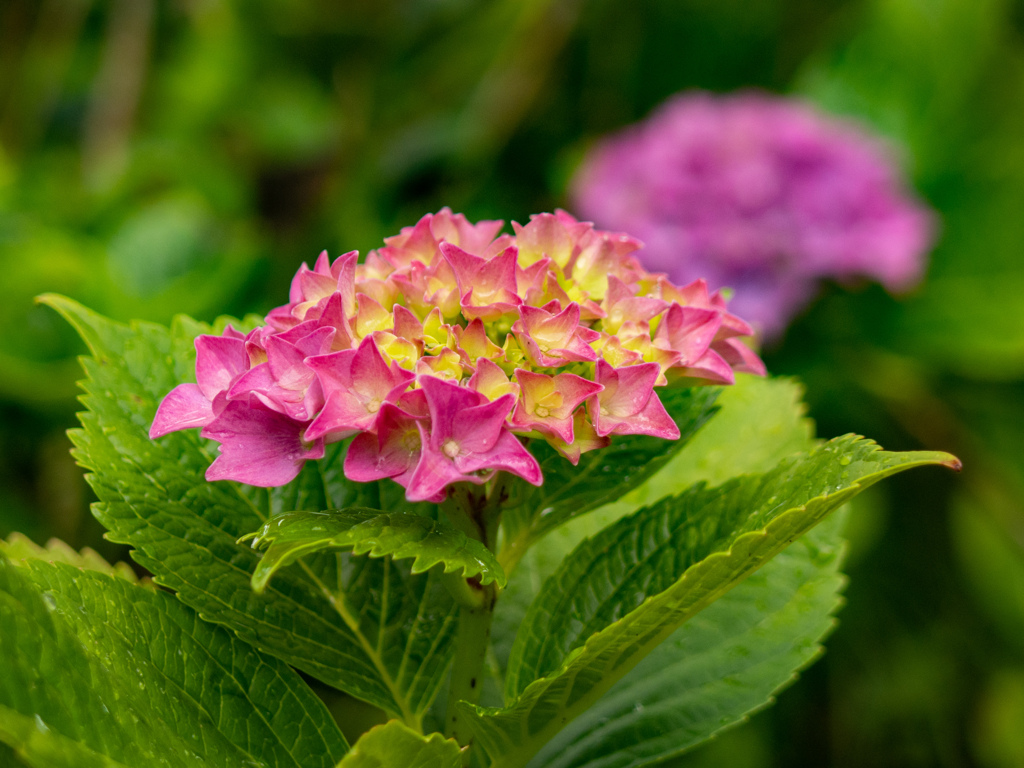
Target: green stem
x: 471, y: 643
x: 478, y: 515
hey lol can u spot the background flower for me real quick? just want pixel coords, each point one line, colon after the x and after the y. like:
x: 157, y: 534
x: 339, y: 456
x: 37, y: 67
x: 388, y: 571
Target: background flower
x: 757, y: 193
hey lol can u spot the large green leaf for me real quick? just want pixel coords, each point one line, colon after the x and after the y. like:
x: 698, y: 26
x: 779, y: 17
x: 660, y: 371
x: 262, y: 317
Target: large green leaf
x: 601, y: 476
x: 738, y: 652
x: 103, y: 672
x: 393, y: 745
x: 367, y: 626
x: 370, y: 532
x: 760, y: 422
x: 632, y: 585
x: 722, y: 665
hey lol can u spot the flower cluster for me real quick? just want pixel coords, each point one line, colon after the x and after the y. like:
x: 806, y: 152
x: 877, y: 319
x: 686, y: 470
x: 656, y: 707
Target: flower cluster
x: 448, y: 345
x: 760, y: 194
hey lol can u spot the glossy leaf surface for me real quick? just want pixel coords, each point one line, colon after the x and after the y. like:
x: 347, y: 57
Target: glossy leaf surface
x: 105, y: 673
x: 632, y: 585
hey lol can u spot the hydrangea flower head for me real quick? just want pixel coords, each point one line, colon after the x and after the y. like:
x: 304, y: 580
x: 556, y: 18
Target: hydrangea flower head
x: 758, y: 193
x: 451, y: 346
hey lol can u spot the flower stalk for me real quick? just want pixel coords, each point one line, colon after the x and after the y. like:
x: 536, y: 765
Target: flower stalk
x: 471, y: 643
x: 478, y: 515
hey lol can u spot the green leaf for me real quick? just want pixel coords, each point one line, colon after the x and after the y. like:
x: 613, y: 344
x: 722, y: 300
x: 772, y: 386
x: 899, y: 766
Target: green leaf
x: 393, y: 744
x: 601, y: 476
x: 370, y: 532
x: 103, y: 672
x: 734, y: 656
x: 760, y: 421
x: 723, y: 665
x: 632, y: 585
x: 21, y: 549
x: 366, y: 626
x: 39, y: 746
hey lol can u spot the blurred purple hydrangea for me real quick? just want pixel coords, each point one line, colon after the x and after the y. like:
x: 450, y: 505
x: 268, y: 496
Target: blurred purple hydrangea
x: 757, y: 193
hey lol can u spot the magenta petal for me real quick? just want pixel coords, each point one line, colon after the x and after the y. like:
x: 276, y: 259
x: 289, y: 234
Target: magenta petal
x: 741, y: 357
x: 433, y: 472
x: 287, y: 366
x: 257, y: 378
x: 509, y: 455
x: 652, y: 420
x: 447, y: 401
x: 219, y: 360
x: 478, y: 429
x: 371, y: 375
x: 711, y: 367
x: 342, y: 415
x: 258, y: 446
x: 688, y: 330
x: 624, y: 407
x: 333, y: 370
x: 391, y: 452
x: 361, y: 459
x: 184, y: 407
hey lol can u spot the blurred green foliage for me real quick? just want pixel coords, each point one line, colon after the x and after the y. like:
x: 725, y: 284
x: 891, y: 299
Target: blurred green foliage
x: 186, y: 155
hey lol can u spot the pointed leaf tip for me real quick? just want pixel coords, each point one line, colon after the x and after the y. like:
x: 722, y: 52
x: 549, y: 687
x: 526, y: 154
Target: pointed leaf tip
x: 718, y: 536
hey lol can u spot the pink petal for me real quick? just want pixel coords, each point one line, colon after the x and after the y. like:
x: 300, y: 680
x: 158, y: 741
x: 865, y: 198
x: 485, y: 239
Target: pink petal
x: 652, y: 420
x: 740, y: 357
x: 711, y: 367
x: 688, y: 330
x: 509, y: 455
x: 433, y: 473
x: 258, y: 446
x: 219, y: 360
x: 393, y: 451
x: 342, y: 415
x: 184, y: 407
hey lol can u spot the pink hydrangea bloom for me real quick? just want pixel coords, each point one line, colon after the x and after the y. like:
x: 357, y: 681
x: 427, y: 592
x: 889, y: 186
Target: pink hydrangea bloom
x: 447, y: 348
x: 757, y: 193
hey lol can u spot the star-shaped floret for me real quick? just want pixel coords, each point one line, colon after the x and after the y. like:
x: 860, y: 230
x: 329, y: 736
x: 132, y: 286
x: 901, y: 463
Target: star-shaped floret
x: 391, y: 451
x: 285, y: 383
x: 466, y: 440
x: 487, y: 286
x: 356, y: 384
x: 220, y: 361
x: 546, y: 403
x: 628, y: 404
x: 553, y: 339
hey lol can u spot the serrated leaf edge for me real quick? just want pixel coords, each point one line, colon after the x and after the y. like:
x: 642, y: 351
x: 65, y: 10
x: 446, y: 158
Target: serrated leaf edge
x: 693, y: 574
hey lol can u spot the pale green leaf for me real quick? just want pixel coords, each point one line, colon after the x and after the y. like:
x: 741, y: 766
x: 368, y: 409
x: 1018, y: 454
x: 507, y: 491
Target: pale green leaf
x: 19, y: 549
x: 393, y: 745
x: 103, y: 672
x: 39, y: 746
x: 624, y: 591
x: 426, y: 541
x: 366, y: 626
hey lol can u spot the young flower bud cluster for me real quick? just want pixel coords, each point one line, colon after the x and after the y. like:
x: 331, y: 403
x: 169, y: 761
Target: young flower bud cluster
x: 449, y: 345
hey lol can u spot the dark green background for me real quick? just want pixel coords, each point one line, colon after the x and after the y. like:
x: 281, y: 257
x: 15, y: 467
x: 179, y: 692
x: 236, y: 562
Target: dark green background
x: 186, y: 156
